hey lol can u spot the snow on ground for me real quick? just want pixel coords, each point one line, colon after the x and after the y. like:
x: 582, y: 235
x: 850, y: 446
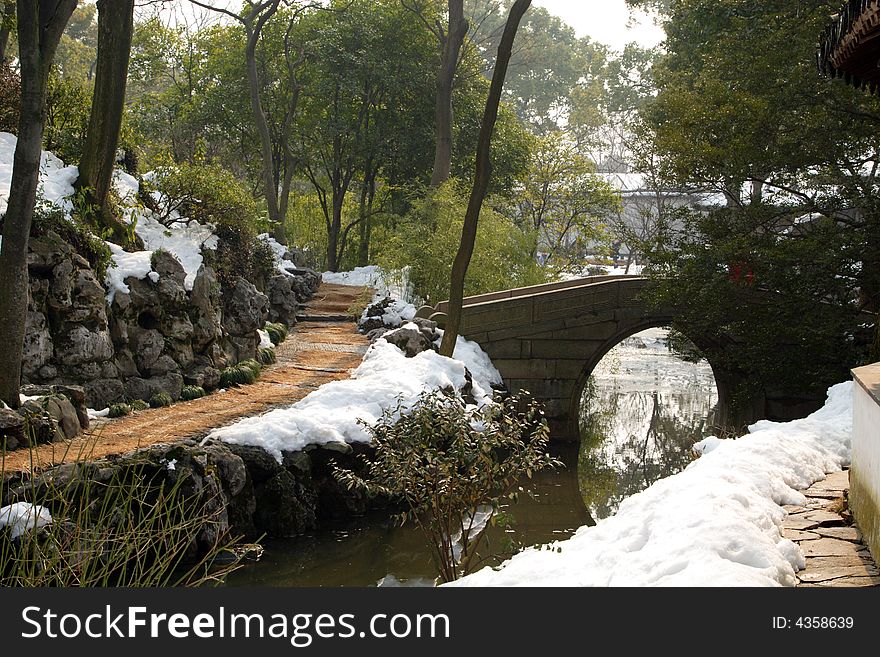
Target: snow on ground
x: 56, y: 186
x: 332, y: 413
x: 265, y: 340
x: 279, y: 250
x: 21, y: 516
x: 371, y: 276
x: 184, y: 240
x: 717, y: 523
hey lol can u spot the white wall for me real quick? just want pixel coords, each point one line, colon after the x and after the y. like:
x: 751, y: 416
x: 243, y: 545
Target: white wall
x: 864, y: 497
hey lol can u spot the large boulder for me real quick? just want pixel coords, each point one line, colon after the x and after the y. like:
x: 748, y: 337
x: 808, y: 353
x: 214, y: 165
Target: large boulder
x: 38, y: 347
x: 283, y: 299
x: 409, y: 340
x: 205, y: 309
x: 75, y: 345
x: 246, y: 309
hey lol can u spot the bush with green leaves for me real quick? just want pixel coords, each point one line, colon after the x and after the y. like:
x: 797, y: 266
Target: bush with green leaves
x: 427, y: 239
x: 241, y: 374
x: 277, y: 332
x: 10, y: 98
x: 119, y: 410
x: 188, y: 393
x: 266, y: 356
x: 138, y: 405
x: 161, y: 400
x: 210, y: 194
x: 451, y: 476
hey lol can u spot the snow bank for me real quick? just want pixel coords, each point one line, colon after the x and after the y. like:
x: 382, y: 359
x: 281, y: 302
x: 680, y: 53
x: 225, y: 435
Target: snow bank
x: 333, y: 413
x: 21, y: 516
x: 265, y: 340
x: 717, y: 523
x: 183, y: 240
x: 56, y: 179
x: 371, y: 276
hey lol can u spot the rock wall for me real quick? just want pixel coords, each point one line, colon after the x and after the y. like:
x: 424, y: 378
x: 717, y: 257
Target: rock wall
x: 158, y: 337
x: 244, y: 489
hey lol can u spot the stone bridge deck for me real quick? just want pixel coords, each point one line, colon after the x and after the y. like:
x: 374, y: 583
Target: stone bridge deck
x: 547, y: 339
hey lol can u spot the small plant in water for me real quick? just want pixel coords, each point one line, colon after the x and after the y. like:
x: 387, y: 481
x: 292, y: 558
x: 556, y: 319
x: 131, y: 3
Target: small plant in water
x: 88, y: 527
x: 453, y: 466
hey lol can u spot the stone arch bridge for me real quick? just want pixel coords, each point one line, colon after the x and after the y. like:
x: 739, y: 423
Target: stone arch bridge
x: 547, y: 339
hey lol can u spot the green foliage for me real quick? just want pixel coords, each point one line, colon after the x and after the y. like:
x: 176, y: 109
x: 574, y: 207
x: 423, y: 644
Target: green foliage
x: 138, y: 405
x: 266, y: 356
x: 135, y: 528
x: 212, y: 195
x: 49, y: 217
x: 773, y: 281
x: 161, y: 400
x: 452, y: 477
x: 427, y: 239
x: 10, y: 98
x: 119, y: 410
x: 243, y: 373
x: 277, y: 332
x: 188, y: 393
x: 564, y: 203
x: 68, y: 104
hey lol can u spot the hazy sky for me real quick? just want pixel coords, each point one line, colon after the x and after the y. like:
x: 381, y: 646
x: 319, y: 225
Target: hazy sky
x: 606, y: 21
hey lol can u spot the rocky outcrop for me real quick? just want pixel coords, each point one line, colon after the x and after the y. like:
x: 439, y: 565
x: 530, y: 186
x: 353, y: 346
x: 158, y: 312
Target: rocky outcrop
x: 244, y: 490
x: 49, y: 414
x: 157, y: 337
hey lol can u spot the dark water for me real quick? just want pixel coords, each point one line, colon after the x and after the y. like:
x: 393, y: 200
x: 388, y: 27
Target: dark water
x: 642, y: 412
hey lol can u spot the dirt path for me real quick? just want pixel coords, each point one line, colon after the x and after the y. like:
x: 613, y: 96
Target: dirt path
x: 323, y: 347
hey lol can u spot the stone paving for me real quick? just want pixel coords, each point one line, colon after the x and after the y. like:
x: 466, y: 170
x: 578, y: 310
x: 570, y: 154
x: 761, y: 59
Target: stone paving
x: 831, y: 542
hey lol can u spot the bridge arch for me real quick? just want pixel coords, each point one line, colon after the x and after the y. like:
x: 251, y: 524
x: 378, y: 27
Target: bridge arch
x: 547, y: 339
x: 721, y: 382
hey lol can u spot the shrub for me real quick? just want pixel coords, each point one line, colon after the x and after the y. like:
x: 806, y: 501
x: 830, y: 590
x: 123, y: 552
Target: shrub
x: 119, y: 410
x: 428, y: 237
x: 192, y: 392
x: 68, y: 105
x: 10, y: 98
x: 50, y: 217
x: 243, y: 373
x: 138, y: 405
x: 266, y: 356
x: 210, y: 194
x: 451, y: 476
x: 161, y: 400
x: 277, y: 332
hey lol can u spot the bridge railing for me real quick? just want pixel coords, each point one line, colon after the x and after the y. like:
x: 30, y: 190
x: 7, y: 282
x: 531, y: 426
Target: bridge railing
x: 532, y: 290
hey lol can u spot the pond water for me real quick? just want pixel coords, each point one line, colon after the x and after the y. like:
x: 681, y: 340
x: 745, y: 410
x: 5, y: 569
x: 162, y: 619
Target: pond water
x: 642, y: 411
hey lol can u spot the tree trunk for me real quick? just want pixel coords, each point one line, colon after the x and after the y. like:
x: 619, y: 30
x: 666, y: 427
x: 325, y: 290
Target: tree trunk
x: 458, y: 27
x: 115, y: 27
x: 7, y: 21
x: 481, y: 180
x: 40, y: 25
x: 269, y: 188
x: 368, y: 193
x: 333, y: 236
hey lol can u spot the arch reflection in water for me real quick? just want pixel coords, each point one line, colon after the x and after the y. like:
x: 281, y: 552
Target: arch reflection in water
x: 642, y: 410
